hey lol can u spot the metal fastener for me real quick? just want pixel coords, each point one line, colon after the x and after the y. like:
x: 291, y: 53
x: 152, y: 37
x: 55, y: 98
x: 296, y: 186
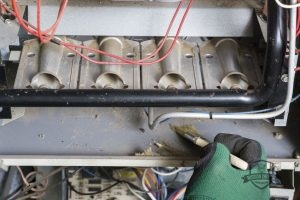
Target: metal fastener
x: 277, y: 135
x: 296, y: 154
x: 285, y: 78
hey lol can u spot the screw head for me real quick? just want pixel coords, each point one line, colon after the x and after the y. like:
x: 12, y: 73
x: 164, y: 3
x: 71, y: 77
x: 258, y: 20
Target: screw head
x: 296, y: 154
x: 277, y: 135
x: 41, y: 135
x: 7, y: 21
x: 285, y: 78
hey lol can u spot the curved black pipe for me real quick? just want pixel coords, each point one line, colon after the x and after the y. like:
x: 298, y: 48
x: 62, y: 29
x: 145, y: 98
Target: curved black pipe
x: 276, y: 47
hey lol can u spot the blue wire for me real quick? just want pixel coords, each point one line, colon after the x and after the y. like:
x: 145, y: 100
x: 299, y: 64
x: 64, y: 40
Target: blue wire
x: 257, y: 111
x: 165, y: 190
x: 94, y: 175
x: 164, y: 186
x: 296, y: 98
x: 90, y: 173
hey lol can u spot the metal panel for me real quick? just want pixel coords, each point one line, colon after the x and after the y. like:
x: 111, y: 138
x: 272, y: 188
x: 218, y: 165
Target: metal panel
x: 8, y: 33
x: 121, y: 132
x: 108, y: 18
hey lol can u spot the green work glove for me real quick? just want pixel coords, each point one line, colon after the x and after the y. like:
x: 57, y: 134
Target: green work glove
x: 215, y: 178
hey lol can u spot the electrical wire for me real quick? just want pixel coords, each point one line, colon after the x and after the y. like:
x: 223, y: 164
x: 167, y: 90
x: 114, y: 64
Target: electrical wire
x: 92, y: 193
x: 164, y: 186
x: 54, y: 27
x: 149, y: 56
x: 14, y: 193
x: 270, y: 109
x: 298, y: 21
x: 73, y: 47
x: 296, y: 98
x: 159, y: 194
x: 37, y: 189
x: 153, y: 183
x: 288, y: 6
x: 259, y: 115
x: 179, y: 195
x: 40, y: 190
x: 31, y: 29
x: 22, y: 176
x: 251, y: 111
x: 136, y: 188
x: 135, y: 193
x: 128, y: 184
x: 29, y: 187
x: 166, y: 173
x: 17, y: 194
x: 162, y: 190
x: 150, y: 185
x: 159, y: 189
x: 44, y: 36
x: 145, y: 187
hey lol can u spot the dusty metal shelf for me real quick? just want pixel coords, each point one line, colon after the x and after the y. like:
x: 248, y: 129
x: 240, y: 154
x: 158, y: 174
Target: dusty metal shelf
x: 99, y: 133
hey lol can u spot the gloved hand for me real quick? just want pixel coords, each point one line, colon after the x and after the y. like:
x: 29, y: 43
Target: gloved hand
x: 215, y: 178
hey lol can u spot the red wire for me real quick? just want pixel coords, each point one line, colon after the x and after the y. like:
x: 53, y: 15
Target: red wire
x: 148, y: 57
x: 39, y: 20
x: 37, y: 32
x: 7, y: 9
x: 20, y: 19
x: 2, y: 10
x: 125, y: 61
x: 54, y: 27
x: 31, y: 29
x: 298, y: 20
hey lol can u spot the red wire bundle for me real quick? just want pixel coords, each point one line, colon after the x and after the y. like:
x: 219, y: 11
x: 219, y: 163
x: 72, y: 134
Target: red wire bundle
x: 44, y: 36
x: 49, y: 34
x: 138, y: 62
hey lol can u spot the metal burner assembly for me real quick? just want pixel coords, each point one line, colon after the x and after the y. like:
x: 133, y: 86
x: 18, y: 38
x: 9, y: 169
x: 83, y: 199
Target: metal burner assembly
x: 103, y: 82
